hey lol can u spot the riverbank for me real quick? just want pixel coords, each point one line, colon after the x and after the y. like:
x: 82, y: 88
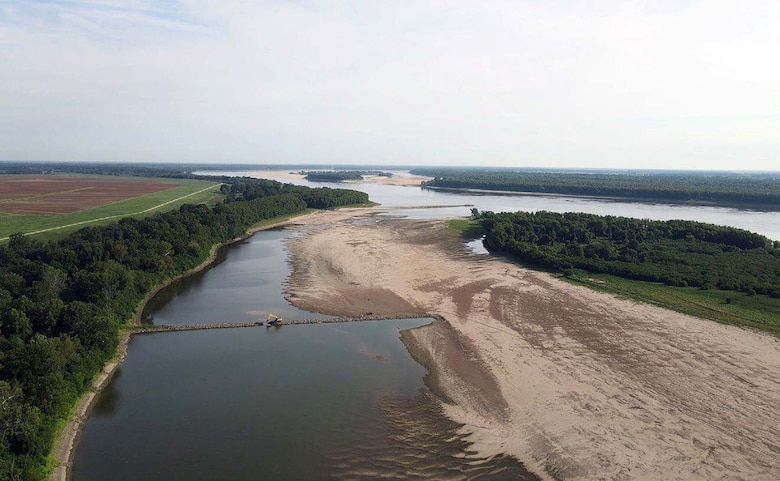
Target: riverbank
x: 398, y: 179
x: 67, y: 438
x: 642, y: 200
x: 576, y: 384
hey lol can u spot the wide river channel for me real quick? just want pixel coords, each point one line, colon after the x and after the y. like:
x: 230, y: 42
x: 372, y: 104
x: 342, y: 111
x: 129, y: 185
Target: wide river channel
x: 322, y: 401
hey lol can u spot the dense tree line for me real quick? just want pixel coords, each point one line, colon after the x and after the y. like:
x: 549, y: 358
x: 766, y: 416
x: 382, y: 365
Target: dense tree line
x: 320, y: 198
x: 717, y: 188
x: 120, y: 169
x: 340, y: 175
x: 367, y: 168
x: 171, y: 170
x: 332, y: 175
x: 62, y: 303
x: 678, y: 253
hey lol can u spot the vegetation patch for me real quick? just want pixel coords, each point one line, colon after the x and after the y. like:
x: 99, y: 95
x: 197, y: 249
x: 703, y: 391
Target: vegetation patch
x: 732, y: 274
x: 755, y: 189
x: 727, y: 307
x: 466, y: 228
x: 340, y: 175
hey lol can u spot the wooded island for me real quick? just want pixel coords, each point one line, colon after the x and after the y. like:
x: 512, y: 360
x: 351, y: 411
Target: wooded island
x: 721, y: 188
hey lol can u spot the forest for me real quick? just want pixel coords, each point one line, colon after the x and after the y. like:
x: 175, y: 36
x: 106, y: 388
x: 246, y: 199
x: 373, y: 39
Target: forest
x: 62, y: 304
x: 720, y: 188
x: 319, y: 198
x: 675, y: 252
x: 89, y: 168
x: 340, y: 175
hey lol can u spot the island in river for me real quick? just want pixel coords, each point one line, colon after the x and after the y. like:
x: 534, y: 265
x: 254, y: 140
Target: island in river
x: 574, y: 383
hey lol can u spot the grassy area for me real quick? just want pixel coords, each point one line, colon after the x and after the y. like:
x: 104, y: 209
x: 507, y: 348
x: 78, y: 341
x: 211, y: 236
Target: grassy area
x: 727, y: 307
x: 465, y: 227
x: 189, y: 192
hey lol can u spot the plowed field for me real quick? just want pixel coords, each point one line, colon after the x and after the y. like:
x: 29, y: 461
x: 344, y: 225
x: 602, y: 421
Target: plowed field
x: 53, y: 194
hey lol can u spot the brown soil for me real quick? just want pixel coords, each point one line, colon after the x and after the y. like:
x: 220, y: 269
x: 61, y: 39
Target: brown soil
x: 56, y: 194
x: 576, y: 384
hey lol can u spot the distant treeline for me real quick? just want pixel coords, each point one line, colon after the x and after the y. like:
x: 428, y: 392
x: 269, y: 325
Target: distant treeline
x: 320, y: 198
x: 715, y: 188
x: 340, y: 175
x: 124, y: 169
x: 62, y: 303
x: 675, y: 252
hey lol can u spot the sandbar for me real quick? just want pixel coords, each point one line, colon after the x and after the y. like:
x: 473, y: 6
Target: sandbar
x: 576, y: 384
x: 399, y: 178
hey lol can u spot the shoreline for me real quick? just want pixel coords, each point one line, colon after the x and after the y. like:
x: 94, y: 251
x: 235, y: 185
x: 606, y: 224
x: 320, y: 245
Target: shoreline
x: 61, y: 455
x: 407, y: 180
x: 639, y: 200
x: 576, y: 384
x: 213, y: 253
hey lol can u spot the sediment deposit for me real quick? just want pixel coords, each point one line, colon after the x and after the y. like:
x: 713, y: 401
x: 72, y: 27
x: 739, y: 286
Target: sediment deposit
x: 578, y: 385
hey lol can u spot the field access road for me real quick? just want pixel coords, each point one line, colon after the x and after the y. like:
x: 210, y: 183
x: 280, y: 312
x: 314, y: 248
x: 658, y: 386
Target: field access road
x: 130, y: 214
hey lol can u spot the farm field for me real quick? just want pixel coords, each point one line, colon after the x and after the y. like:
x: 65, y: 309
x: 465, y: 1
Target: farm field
x: 60, y: 194
x: 51, y: 206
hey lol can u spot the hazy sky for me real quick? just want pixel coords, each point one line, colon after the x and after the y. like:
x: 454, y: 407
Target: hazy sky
x: 645, y: 84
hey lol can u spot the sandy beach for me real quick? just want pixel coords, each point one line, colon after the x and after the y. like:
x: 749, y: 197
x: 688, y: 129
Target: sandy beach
x: 576, y: 384
x: 399, y: 178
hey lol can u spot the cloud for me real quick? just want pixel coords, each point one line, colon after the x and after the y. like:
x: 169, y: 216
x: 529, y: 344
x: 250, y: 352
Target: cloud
x: 620, y: 84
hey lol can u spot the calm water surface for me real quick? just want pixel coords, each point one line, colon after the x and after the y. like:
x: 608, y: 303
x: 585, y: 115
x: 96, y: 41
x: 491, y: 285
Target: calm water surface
x: 330, y: 401
x: 765, y: 223
x: 245, y: 284
x: 335, y: 401
x: 306, y: 402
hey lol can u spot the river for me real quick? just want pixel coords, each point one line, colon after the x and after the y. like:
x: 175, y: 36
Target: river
x: 244, y: 284
x: 762, y: 222
x: 331, y: 401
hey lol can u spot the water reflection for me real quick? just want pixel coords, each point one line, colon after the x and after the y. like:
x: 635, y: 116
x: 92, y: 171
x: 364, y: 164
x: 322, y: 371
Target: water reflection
x: 476, y: 246
x: 245, y: 285
x: 324, y: 401
x: 109, y: 398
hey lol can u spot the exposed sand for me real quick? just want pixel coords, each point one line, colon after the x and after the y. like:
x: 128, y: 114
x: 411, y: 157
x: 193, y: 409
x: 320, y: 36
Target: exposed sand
x: 407, y: 180
x: 576, y: 384
x: 399, y: 178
